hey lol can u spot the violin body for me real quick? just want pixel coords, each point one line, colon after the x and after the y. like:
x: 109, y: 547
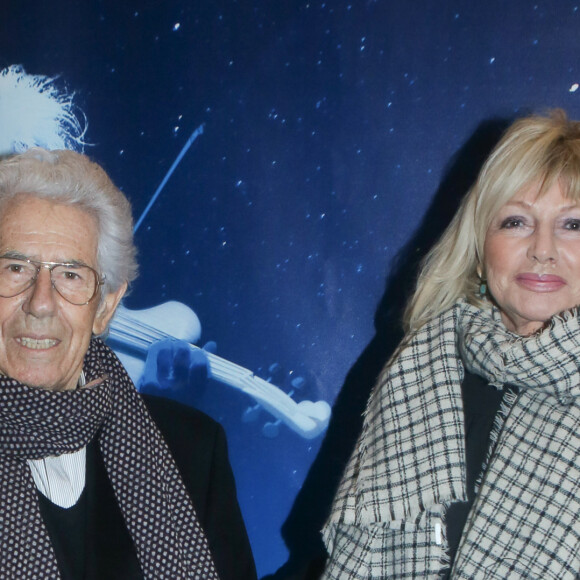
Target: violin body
x: 131, y: 332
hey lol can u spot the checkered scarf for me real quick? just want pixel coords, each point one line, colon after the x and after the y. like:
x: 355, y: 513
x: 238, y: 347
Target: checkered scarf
x: 158, y: 512
x: 387, y: 520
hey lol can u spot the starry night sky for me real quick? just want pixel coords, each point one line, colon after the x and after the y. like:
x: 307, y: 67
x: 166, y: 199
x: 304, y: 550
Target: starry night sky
x: 332, y: 137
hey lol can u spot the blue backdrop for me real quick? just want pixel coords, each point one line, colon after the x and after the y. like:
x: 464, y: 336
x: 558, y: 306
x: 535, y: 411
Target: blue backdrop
x: 336, y: 139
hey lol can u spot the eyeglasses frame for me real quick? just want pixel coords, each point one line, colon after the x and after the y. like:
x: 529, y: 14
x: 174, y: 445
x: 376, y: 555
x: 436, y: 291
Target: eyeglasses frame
x: 50, y: 266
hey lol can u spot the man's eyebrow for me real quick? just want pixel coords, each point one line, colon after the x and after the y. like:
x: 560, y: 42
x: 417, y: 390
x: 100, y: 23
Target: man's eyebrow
x: 14, y: 255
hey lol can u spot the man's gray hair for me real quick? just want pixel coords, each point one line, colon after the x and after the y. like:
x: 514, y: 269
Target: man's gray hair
x: 70, y: 178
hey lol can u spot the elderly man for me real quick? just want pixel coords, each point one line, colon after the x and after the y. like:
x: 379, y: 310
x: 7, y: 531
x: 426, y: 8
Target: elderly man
x: 95, y: 483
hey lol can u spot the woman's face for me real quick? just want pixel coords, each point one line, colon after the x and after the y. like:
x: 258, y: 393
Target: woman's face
x: 532, y: 258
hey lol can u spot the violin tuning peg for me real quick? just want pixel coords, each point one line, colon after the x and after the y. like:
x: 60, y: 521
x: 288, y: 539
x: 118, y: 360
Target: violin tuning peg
x: 271, y: 430
x: 274, y: 368
x: 251, y: 414
x: 275, y: 373
x: 297, y: 382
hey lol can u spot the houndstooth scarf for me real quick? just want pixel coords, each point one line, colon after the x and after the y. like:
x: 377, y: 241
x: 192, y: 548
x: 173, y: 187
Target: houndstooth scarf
x: 158, y: 512
x: 387, y: 520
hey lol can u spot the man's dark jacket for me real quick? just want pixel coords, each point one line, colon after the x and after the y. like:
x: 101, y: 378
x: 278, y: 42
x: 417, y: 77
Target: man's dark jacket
x: 91, y: 541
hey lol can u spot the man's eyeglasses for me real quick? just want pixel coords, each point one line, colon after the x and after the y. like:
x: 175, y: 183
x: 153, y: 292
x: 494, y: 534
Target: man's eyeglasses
x: 76, y: 283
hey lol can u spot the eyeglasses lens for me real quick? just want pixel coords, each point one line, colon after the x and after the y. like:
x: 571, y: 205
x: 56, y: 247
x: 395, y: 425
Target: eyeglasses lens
x: 75, y: 283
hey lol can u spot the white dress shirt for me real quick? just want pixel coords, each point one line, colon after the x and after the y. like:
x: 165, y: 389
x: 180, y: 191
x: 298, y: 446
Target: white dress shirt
x: 61, y: 478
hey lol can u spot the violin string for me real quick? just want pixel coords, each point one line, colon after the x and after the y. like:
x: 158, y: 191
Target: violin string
x: 131, y: 329
x: 245, y: 379
x: 141, y: 335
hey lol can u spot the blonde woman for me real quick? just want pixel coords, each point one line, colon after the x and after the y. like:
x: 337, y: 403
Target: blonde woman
x: 468, y: 465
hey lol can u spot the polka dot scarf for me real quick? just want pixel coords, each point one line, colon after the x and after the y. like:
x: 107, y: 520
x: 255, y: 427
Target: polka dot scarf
x: 156, y: 507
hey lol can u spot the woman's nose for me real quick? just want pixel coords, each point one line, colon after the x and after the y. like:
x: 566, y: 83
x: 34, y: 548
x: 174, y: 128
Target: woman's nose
x: 543, y: 247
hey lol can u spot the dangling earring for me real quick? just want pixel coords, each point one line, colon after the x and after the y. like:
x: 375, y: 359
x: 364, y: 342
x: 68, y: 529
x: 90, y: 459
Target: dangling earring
x: 482, y: 282
x: 482, y: 288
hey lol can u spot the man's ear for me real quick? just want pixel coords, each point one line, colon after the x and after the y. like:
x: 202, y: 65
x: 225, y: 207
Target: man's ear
x: 107, y: 308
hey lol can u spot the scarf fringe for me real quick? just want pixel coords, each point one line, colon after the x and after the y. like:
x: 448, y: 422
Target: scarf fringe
x: 508, y: 401
x: 410, y: 457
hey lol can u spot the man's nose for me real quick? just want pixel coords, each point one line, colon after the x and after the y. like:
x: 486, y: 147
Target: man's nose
x: 41, y: 299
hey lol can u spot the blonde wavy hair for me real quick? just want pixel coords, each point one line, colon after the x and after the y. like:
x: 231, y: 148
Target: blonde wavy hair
x: 535, y: 151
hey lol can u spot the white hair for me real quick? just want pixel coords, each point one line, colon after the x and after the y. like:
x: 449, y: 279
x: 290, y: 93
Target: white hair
x: 35, y: 113
x: 42, y: 140
x: 71, y: 178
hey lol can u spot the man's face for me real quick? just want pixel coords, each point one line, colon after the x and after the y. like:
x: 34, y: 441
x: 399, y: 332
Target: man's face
x: 44, y: 338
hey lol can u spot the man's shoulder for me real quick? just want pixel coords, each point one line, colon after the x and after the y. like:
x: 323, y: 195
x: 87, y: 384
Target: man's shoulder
x: 168, y: 409
x: 185, y: 429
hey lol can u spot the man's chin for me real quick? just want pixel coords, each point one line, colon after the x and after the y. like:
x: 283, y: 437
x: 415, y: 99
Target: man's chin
x: 36, y: 382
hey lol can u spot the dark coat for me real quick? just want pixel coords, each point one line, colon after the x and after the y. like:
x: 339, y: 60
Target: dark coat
x: 100, y: 543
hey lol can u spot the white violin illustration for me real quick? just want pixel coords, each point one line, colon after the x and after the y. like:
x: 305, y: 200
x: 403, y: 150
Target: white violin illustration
x: 131, y: 332
x: 51, y: 121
